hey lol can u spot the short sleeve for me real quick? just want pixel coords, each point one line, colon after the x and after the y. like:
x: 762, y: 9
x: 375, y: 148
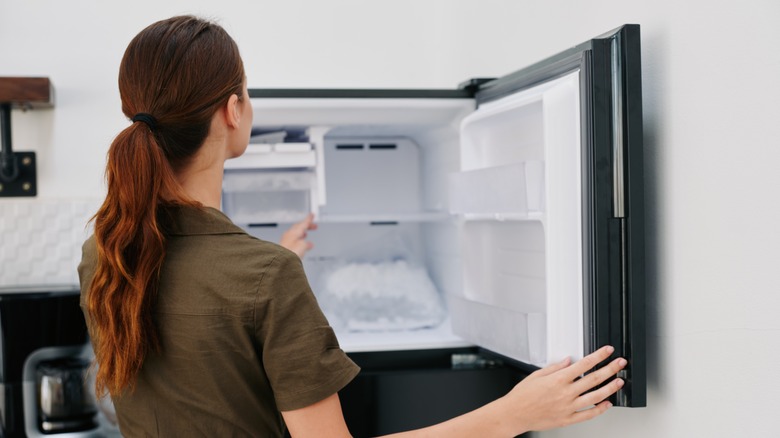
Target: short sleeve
x: 300, y: 353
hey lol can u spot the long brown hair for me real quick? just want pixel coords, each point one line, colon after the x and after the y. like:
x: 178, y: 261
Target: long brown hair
x: 180, y: 71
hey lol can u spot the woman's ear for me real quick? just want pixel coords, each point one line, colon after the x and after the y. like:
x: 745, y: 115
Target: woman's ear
x: 233, y: 112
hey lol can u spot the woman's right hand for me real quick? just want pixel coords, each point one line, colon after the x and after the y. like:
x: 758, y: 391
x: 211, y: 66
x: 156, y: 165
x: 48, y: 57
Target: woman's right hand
x: 294, y: 238
x: 558, y: 395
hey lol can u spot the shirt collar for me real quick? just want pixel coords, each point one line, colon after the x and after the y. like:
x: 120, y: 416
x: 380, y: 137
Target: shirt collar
x: 193, y: 221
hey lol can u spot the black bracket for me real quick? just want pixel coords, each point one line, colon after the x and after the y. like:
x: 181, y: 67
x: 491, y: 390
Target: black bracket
x: 17, y: 169
x: 472, y: 85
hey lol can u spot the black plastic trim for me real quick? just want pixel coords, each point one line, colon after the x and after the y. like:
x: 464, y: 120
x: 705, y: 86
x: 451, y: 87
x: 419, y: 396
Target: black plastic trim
x: 347, y: 93
x: 544, y: 71
x: 614, y: 271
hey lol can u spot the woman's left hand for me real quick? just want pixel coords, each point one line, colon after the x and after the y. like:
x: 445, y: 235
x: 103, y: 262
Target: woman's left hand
x: 294, y: 238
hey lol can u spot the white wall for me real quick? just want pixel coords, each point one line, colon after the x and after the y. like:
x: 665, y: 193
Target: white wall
x: 712, y: 112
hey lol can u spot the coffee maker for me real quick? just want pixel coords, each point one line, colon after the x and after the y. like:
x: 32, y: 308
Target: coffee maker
x: 44, y: 359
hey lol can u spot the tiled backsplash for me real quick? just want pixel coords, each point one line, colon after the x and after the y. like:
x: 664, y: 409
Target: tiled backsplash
x: 40, y: 240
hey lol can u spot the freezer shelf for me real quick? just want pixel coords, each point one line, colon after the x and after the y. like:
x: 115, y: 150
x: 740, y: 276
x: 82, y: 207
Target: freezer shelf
x: 384, y: 219
x: 275, y: 156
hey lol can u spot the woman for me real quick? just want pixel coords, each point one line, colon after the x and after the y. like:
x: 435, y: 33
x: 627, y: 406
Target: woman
x: 202, y: 330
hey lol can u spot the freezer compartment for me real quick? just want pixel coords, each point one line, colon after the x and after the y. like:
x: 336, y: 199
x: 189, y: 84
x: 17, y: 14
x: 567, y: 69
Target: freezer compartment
x: 469, y: 209
x: 385, y: 252
x: 452, y: 214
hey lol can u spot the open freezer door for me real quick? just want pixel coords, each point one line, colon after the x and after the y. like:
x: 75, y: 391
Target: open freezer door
x: 549, y: 202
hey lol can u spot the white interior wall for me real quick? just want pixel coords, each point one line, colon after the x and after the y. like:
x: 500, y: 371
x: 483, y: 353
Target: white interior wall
x: 710, y: 101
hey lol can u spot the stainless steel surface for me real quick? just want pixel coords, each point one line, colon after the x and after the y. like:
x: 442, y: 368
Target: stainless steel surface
x: 36, y: 289
x: 618, y: 195
x: 55, y: 426
x: 64, y: 400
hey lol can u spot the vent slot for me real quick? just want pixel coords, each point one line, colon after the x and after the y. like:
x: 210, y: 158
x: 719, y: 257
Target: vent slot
x: 384, y: 223
x: 349, y: 146
x: 264, y: 225
x: 382, y: 146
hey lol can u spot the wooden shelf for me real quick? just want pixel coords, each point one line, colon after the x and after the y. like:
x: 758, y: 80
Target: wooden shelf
x: 26, y: 92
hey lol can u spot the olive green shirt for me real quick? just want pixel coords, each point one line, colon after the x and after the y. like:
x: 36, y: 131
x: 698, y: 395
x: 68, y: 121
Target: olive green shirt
x: 242, y: 336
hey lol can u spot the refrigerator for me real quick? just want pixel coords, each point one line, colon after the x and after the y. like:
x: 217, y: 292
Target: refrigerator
x: 466, y: 236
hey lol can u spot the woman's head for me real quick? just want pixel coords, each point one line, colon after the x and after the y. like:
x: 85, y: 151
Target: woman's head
x: 180, y: 71
x: 177, y: 74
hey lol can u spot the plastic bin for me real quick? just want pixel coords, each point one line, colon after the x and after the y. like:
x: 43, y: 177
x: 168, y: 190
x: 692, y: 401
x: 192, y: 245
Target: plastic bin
x: 260, y: 197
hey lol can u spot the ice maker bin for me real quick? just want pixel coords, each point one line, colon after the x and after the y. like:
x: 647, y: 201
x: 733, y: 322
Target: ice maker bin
x: 271, y: 182
x: 266, y: 197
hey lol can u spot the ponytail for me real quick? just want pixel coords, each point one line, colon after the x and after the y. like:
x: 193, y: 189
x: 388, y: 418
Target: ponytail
x: 130, y: 241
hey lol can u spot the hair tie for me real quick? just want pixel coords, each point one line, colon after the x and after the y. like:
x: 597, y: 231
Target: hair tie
x: 146, y: 118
